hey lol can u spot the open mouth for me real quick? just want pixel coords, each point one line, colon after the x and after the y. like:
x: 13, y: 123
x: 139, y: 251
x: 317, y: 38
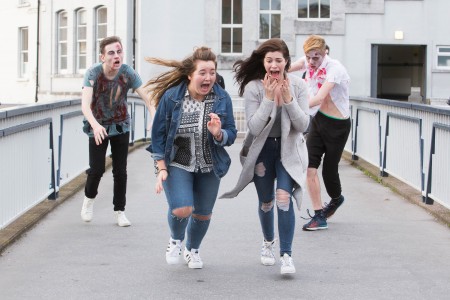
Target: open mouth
x: 205, y: 87
x: 117, y: 63
x: 275, y: 74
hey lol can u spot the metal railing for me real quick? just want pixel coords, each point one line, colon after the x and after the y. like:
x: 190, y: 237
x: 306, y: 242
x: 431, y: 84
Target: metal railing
x: 239, y: 116
x: 408, y: 141
x: 27, y: 165
x: 34, y: 168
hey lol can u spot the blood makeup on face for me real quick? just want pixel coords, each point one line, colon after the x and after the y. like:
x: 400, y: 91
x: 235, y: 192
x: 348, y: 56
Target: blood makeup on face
x: 314, y: 58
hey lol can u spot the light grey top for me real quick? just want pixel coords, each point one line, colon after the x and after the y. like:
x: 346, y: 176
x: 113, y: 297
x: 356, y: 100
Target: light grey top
x: 261, y: 115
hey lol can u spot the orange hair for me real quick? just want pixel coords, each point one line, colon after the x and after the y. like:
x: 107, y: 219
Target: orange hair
x: 314, y: 42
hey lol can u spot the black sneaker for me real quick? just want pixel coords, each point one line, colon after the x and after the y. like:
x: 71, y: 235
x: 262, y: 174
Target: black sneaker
x: 331, y: 207
x: 317, y: 222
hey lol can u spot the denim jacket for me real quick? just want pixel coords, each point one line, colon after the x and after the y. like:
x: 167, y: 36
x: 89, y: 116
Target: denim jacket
x: 167, y: 120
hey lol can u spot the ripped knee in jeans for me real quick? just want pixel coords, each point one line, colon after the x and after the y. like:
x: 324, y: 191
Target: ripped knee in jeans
x: 201, y: 217
x: 283, y: 199
x: 260, y: 169
x: 266, y: 206
x: 182, y: 212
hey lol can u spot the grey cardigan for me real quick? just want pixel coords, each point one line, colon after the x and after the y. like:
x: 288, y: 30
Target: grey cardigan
x: 260, y: 113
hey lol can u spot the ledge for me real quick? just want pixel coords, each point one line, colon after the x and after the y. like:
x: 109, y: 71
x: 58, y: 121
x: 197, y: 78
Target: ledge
x: 438, y: 211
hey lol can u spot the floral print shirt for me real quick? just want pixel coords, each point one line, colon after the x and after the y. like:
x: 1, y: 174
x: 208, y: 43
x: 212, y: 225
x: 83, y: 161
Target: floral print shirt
x: 109, y: 100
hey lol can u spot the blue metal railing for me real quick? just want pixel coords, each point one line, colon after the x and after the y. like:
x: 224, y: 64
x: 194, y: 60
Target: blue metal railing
x: 391, y: 135
x: 64, y: 122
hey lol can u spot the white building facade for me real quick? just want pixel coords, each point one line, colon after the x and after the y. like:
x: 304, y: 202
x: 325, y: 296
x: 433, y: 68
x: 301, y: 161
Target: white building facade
x: 389, y: 47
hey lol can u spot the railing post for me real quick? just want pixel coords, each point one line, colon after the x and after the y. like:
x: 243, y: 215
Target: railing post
x: 53, y: 195
x: 427, y: 199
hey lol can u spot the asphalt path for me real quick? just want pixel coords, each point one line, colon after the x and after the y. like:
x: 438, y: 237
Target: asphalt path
x: 378, y: 246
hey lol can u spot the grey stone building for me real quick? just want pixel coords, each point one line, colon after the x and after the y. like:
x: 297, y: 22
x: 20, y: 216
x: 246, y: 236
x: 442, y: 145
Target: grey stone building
x: 390, y: 47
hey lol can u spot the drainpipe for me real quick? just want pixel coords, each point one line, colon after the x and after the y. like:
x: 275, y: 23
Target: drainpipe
x: 37, y: 50
x: 134, y: 34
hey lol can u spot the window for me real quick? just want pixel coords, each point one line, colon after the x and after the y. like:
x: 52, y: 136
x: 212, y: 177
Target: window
x: 62, y: 42
x: 23, y: 46
x: 443, y: 57
x: 231, y: 26
x: 314, y: 9
x: 101, y: 18
x: 269, y: 19
x: 81, y: 41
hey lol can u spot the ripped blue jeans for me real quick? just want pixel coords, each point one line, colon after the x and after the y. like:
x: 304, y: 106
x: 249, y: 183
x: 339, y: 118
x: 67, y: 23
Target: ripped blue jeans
x: 187, y: 189
x: 274, y: 187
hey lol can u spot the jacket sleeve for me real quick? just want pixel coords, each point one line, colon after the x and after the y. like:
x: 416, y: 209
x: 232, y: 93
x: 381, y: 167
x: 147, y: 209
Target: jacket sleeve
x: 257, y: 108
x: 159, y: 131
x: 229, y: 130
x: 229, y: 127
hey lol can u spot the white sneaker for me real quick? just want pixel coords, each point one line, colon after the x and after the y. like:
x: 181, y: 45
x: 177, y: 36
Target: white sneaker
x: 287, y: 265
x: 193, y: 258
x: 122, y: 220
x: 267, y: 253
x: 87, y: 210
x: 173, y: 252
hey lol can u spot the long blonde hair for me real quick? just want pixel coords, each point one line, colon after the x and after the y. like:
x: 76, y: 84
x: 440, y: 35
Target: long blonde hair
x: 180, y: 71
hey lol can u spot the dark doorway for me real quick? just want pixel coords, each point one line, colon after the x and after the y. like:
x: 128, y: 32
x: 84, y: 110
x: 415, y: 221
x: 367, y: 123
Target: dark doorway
x: 398, y: 69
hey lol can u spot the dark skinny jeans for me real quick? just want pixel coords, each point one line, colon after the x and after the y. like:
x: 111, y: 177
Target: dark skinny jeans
x: 327, y: 138
x: 97, y: 156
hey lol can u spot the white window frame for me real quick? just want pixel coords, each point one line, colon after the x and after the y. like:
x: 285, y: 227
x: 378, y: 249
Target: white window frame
x: 309, y: 8
x: 81, y: 40
x: 98, y: 25
x: 269, y: 12
x: 232, y: 26
x: 440, y: 53
x: 23, y: 52
x: 62, y: 43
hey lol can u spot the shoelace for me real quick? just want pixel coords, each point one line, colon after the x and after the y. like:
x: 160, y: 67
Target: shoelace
x: 310, y: 217
x: 286, y: 261
x: 267, y: 249
x: 332, y: 204
x: 89, y: 206
x: 195, y: 257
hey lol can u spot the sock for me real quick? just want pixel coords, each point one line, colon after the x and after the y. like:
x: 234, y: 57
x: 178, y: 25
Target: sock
x: 318, y: 211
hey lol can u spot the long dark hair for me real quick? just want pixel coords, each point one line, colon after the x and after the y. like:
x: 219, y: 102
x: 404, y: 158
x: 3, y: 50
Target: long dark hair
x: 180, y: 71
x: 253, y: 67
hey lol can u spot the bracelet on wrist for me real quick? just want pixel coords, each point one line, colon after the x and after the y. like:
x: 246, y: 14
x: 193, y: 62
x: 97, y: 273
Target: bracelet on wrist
x: 162, y: 170
x: 217, y: 137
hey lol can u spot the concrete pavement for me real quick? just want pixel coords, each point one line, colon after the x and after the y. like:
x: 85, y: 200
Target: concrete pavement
x: 378, y: 246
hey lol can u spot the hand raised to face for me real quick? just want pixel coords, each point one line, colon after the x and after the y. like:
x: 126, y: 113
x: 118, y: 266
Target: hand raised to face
x: 270, y: 85
x: 285, y: 91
